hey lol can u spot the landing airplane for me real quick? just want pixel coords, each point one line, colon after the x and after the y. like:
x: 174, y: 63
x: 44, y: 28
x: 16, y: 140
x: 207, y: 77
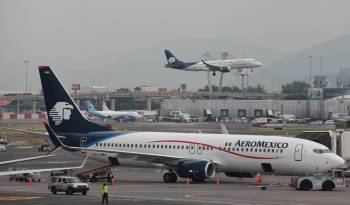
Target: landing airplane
x: 129, y: 116
x: 188, y: 155
x: 223, y: 66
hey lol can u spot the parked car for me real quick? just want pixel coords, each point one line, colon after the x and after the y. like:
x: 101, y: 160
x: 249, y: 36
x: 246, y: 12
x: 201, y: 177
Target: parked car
x: 2, y: 148
x: 329, y: 122
x: 35, y: 177
x: 3, y: 140
x: 44, y: 148
x: 69, y: 185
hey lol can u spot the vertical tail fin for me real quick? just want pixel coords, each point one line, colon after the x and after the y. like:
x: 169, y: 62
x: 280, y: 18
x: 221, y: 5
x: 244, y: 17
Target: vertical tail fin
x: 64, y: 115
x: 90, y: 107
x: 170, y: 57
x: 105, y: 107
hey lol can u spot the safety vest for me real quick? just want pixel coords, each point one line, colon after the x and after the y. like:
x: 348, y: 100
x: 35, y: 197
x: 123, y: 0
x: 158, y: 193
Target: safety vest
x: 105, y: 189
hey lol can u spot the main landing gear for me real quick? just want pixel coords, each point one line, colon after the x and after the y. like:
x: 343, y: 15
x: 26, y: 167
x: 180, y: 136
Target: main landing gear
x: 170, y: 177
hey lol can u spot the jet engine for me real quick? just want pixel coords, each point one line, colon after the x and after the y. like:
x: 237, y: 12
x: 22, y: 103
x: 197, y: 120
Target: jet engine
x: 196, y: 169
x: 225, y: 70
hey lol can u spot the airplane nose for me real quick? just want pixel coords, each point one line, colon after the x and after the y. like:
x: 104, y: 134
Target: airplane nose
x: 338, y: 162
x: 258, y: 63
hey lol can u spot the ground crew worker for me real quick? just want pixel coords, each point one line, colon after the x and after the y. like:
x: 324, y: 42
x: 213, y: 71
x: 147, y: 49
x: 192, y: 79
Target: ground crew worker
x: 105, y: 190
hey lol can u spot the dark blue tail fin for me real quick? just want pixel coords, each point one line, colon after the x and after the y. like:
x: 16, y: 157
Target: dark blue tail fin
x: 64, y: 115
x: 171, y: 58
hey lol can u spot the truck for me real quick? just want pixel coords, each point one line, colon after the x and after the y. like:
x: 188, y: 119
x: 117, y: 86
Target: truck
x: 325, y: 182
x: 69, y: 185
x: 337, y: 141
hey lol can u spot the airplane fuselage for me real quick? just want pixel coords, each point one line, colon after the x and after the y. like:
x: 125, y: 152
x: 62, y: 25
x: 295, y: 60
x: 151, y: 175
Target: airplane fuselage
x: 230, y: 153
x: 225, y: 64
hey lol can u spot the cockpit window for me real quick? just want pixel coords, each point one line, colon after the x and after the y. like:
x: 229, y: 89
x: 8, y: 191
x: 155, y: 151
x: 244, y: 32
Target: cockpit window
x: 321, y: 151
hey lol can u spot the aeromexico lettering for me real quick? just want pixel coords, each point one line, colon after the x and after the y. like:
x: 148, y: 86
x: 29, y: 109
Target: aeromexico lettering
x: 262, y: 144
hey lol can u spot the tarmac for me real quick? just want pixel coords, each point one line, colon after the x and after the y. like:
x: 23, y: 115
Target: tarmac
x: 145, y: 186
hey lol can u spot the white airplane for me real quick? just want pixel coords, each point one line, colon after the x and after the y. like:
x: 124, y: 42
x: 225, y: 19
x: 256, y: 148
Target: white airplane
x: 223, y: 66
x: 187, y: 155
x: 110, y: 114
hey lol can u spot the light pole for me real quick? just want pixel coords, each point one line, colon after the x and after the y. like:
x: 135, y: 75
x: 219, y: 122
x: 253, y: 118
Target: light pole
x: 310, y: 57
x: 26, y: 62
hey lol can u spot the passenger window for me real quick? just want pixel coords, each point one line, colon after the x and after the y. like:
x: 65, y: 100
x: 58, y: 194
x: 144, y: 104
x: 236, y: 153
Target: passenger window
x: 154, y: 146
x: 100, y: 144
x: 281, y: 150
x: 161, y: 146
x: 149, y: 146
x: 136, y: 146
x: 127, y: 145
x: 272, y: 150
x: 104, y: 144
x: 182, y: 147
x: 230, y: 144
x: 256, y: 149
x: 165, y: 146
x: 158, y: 146
x: 268, y: 150
x: 174, y: 147
x: 178, y: 146
x: 96, y: 144
x: 108, y: 144
x: 251, y: 149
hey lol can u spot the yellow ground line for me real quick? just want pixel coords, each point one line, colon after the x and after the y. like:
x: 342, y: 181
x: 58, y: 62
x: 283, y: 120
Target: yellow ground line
x: 18, y: 198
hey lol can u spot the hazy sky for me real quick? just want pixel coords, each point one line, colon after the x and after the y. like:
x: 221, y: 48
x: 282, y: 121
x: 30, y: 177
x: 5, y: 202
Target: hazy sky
x: 84, y: 34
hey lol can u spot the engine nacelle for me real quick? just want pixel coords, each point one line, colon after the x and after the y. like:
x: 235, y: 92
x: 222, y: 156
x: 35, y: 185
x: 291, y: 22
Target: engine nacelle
x: 196, y: 169
x: 239, y: 174
x: 225, y: 70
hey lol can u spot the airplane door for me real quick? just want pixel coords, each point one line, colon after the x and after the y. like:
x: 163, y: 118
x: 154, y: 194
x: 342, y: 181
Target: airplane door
x: 298, y: 153
x: 83, y: 143
x: 192, y: 148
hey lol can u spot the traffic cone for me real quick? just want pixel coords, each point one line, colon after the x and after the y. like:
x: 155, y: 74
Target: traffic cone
x: 217, y: 180
x: 187, y: 181
x: 258, y: 180
x: 30, y: 183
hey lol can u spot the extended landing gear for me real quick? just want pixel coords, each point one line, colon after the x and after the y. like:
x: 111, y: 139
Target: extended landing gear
x: 170, y: 177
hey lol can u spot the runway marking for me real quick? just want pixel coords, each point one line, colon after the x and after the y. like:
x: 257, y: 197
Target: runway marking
x: 18, y: 198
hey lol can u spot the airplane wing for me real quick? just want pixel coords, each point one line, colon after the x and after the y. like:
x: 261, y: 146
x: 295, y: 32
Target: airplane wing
x: 6, y: 173
x: 25, y: 159
x: 216, y: 68
x: 152, y: 158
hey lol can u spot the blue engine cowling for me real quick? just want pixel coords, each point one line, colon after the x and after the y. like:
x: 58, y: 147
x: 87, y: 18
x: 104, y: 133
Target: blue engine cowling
x: 195, y: 169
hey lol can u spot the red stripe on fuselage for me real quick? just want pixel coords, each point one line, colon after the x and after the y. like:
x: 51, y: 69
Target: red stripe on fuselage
x: 214, y: 147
